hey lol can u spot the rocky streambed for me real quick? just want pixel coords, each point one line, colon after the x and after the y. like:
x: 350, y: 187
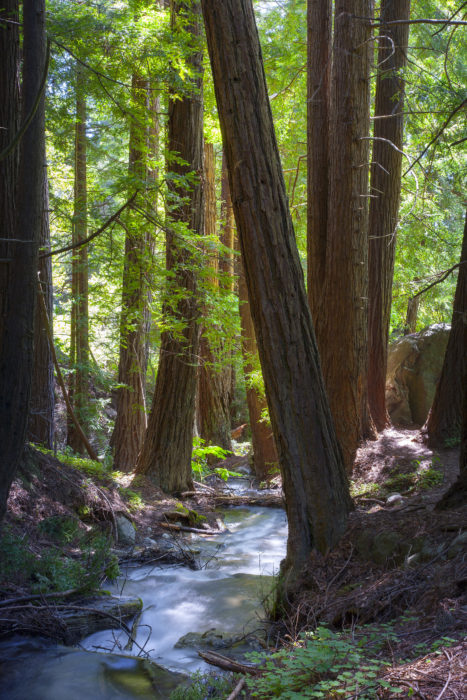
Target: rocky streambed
x: 217, y: 606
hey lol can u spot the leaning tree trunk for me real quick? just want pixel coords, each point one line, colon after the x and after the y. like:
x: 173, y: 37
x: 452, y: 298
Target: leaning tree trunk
x: 131, y: 421
x: 213, y: 384
x: 16, y: 353
x: 166, y: 453
x: 445, y: 418
x: 342, y: 327
x: 319, y: 20
x: 385, y: 190
x: 315, y: 485
x: 79, y: 355
x: 41, y: 426
x: 264, y: 448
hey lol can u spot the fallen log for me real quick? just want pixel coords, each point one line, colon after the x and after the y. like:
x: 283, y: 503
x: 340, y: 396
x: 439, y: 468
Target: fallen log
x: 269, y: 500
x: 185, y: 528
x: 228, y: 664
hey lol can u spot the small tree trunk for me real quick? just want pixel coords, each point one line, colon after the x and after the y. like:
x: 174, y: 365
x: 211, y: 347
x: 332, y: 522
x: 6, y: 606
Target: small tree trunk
x: 264, y: 448
x: 213, y: 389
x: 342, y: 327
x: 166, y: 453
x: 444, y: 421
x: 315, y: 485
x: 384, y: 203
x: 410, y: 325
x: 80, y: 316
x: 16, y: 352
x: 131, y: 422
x: 319, y: 20
x: 41, y: 426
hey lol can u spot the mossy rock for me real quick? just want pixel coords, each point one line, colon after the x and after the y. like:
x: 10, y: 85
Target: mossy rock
x: 383, y: 548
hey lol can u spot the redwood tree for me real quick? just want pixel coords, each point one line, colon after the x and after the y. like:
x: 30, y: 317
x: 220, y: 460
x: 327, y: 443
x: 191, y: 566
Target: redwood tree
x: 262, y: 437
x: 213, y: 405
x: 341, y: 323
x: 16, y: 351
x: 79, y: 351
x: 445, y: 418
x: 316, y: 491
x: 41, y: 426
x: 131, y: 421
x: 166, y: 453
x: 319, y: 20
x: 385, y: 195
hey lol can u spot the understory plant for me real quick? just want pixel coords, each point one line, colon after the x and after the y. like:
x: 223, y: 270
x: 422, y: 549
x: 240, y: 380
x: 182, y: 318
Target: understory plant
x: 200, y: 460
x: 322, y: 664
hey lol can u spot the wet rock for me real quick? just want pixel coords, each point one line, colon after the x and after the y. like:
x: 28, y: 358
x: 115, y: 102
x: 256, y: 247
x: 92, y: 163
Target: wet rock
x: 98, y: 614
x: 414, y: 367
x: 125, y: 531
x: 395, y: 499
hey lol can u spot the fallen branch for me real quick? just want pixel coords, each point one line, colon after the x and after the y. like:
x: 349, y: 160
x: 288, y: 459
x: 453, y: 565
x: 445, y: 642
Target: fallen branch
x: 185, y: 528
x: 227, y: 664
x: 93, y: 235
x: 40, y: 596
x: 236, y: 691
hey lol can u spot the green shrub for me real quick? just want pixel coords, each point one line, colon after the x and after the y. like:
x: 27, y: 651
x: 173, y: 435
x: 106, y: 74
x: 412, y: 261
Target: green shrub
x: 203, y: 686
x: 324, y: 664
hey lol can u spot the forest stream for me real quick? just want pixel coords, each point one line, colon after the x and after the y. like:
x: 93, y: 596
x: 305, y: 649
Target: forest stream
x: 222, y: 598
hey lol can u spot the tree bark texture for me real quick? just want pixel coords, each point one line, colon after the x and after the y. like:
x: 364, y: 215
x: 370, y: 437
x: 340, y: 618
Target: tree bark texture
x: 342, y: 326
x: 444, y: 421
x: 131, y: 421
x: 264, y: 448
x: 315, y: 485
x: 16, y: 353
x: 213, y: 383
x: 227, y: 258
x: 456, y: 496
x: 9, y: 121
x: 166, y: 453
x: 385, y: 190
x: 79, y: 384
x: 319, y: 20
x: 41, y: 426
x: 411, y: 316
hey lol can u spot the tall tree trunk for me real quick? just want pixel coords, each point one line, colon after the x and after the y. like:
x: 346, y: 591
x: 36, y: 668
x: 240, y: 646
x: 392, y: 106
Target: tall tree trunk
x: 262, y: 438
x: 166, y: 453
x: 342, y: 326
x: 456, y: 496
x: 213, y: 385
x: 16, y: 352
x: 9, y: 121
x: 80, y: 315
x: 384, y: 202
x: 319, y: 19
x: 315, y: 485
x: 444, y: 421
x: 131, y: 422
x: 41, y: 427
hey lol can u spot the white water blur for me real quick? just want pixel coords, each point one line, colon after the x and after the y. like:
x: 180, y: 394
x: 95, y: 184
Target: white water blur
x: 225, y: 595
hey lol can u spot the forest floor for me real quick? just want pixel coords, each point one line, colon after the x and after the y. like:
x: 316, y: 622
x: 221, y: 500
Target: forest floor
x: 399, y: 574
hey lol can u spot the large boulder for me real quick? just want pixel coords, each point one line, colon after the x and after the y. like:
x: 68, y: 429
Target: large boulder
x: 414, y: 367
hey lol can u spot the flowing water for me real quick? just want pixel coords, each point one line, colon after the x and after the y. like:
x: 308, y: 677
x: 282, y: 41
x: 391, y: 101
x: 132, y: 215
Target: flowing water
x: 222, y: 599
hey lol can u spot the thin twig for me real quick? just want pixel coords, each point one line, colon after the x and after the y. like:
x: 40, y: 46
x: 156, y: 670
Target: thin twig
x: 438, y: 697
